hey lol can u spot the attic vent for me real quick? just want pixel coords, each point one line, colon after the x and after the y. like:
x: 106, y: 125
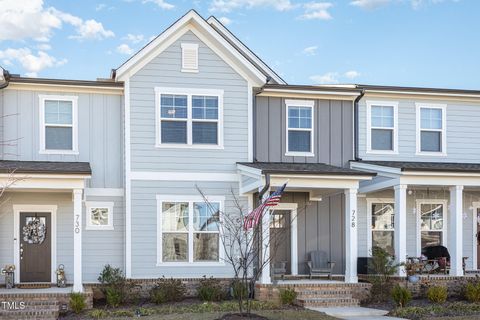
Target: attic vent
x: 189, y: 57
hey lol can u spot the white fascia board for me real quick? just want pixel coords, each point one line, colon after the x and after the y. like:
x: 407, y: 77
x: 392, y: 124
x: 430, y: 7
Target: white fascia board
x: 225, y: 32
x: 249, y: 171
x: 386, y: 171
x: 183, y: 176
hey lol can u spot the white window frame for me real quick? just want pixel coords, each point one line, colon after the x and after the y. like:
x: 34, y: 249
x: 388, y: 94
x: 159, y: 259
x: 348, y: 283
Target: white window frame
x: 43, y: 125
x: 306, y: 104
x: 371, y: 201
x: 190, y: 199
x: 189, y: 92
x: 419, y: 203
x: 443, y: 108
x: 393, y: 104
x: 97, y: 204
x: 189, y: 46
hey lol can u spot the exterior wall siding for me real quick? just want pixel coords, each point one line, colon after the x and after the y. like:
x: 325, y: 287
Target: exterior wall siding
x: 333, y: 132
x: 144, y: 226
x: 462, y: 131
x: 165, y: 71
x: 99, y: 133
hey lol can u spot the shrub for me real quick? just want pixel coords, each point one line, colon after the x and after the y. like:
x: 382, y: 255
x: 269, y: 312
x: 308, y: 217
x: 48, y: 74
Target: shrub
x: 98, y: 314
x: 114, y: 297
x: 288, y: 296
x: 437, y: 294
x: 210, y: 289
x: 77, y: 302
x: 168, y: 290
x: 401, y: 296
x: 115, y: 285
x: 472, y: 291
x: 111, y: 276
x: 382, y: 266
x: 239, y: 290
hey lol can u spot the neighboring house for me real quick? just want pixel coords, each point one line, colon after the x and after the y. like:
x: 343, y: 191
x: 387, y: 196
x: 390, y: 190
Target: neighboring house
x: 112, y: 167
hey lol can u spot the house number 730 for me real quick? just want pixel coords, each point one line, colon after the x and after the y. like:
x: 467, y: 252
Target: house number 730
x: 354, y: 219
x: 77, y: 223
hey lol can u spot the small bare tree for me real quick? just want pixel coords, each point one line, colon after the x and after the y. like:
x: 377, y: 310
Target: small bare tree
x: 244, y: 249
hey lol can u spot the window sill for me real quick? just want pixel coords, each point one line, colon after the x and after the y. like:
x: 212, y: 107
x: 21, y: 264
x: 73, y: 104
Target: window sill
x: 431, y: 154
x: 190, y: 70
x: 60, y: 152
x: 389, y: 152
x: 106, y: 228
x: 188, y: 146
x: 299, y: 154
x: 191, y: 264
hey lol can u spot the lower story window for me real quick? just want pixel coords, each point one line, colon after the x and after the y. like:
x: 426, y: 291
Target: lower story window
x: 383, y: 215
x: 189, y: 230
x: 99, y: 215
x: 431, y: 224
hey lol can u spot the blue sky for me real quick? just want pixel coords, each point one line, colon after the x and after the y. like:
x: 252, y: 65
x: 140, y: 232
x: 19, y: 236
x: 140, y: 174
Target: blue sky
x: 434, y: 43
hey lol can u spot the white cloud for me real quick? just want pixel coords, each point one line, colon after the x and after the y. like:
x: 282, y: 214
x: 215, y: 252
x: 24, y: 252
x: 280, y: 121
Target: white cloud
x: 124, y: 49
x: 369, y: 4
x: 310, y: 51
x: 44, y: 46
x: 316, y: 10
x: 230, y: 5
x: 134, y: 38
x: 225, y: 21
x: 29, y: 61
x: 161, y: 4
x: 417, y: 4
x: 327, y: 78
x: 352, y: 74
x: 24, y: 19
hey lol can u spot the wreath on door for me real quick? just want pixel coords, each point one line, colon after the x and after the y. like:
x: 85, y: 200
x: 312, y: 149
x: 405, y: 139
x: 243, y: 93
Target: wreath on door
x: 34, y: 231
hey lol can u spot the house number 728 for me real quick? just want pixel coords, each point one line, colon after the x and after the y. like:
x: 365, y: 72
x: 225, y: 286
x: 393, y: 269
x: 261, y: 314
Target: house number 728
x: 354, y: 219
x: 77, y: 223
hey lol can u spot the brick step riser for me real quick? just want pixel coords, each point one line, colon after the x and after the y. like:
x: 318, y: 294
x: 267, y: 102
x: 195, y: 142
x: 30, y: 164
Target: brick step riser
x: 326, y: 296
x: 316, y: 288
x: 323, y: 292
x: 325, y: 303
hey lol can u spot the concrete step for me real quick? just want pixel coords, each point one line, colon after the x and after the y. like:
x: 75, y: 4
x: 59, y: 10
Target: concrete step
x: 323, y: 293
x: 328, y: 302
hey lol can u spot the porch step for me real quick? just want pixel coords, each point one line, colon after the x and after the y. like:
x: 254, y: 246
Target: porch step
x: 328, y: 302
x: 301, y: 294
x: 325, y: 295
x: 44, y: 310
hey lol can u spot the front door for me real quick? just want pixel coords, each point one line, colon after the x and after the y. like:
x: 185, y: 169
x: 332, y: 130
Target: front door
x: 35, y: 247
x: 280, y: 237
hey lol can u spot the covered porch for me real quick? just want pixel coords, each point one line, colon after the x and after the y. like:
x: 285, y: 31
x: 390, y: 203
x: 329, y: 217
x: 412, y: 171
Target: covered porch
x: 41, y: 220
x: 412, y: 207
x: 317, y: 213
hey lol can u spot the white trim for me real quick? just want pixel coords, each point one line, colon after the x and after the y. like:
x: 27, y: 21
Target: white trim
x: 190, y: 199
x: 189, y: 92
x: 351, y: 235
x: 77, y: 240
x: 305, y: 104
x: 424, y: 93
x: 418, y: 204
x: 250, y: 121
x: 74, y: 100
x: 443, y: 108
x: 128, y: 185
x: 313, y: 92
x: 183, y: 176
x: 17, y: 209
x: 394, y: 105
x: 371, y: 201
x: 292, y: 207
x: 475, y: 206
x: 89, y: 205
x: 104, y: 192
x: 185, y: 47
x: 56, y: 88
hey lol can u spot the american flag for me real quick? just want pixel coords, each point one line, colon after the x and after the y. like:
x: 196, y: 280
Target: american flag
x: 253, y: 218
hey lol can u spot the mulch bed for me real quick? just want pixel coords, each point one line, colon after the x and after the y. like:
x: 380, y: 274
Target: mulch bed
x: 240, y: 316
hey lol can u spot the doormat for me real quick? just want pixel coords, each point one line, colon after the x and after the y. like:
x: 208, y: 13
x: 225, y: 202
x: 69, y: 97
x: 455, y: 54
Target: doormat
x: 33, y: 285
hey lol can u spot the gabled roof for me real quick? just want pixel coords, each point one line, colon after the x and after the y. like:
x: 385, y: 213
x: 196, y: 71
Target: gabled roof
x: 194, y: 22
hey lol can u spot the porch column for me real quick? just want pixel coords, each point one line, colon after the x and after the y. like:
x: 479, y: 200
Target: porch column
x: 400, y: 226
x: 265, y: 240
x: 456, y: 231
x: 293, y: 243
x: 351, y: 238
x: 77, y: 240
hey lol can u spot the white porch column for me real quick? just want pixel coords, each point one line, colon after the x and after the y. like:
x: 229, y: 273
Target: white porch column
x: 351, y: 238
x: 77, y: 240
x: 400, y: 222
x: 456, y: 230
x: 293, y: 242
x: 265, y: 240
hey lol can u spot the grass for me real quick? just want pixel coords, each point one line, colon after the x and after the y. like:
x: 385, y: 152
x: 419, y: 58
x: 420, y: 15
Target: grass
x: 455, y: 310
x: 270, y: 314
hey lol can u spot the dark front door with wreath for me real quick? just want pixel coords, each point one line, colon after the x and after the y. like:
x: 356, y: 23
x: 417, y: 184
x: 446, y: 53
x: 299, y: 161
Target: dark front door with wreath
x: 35, y: 247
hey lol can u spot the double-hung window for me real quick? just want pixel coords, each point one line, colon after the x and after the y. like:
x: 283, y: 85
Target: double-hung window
x: 58, y: 124
x: 431, y: 127
x: 382, y: 127
x: 189, y: 117
x: 431, y: 222
x: 382, y: 219
x: 188, y: 230
x: 299, y: 128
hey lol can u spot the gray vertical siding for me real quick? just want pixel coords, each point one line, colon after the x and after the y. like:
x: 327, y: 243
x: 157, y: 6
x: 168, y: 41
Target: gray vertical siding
x: 165, y: 71
x: 462, y: 132
x: 333, y: 131
x: 100, y: 139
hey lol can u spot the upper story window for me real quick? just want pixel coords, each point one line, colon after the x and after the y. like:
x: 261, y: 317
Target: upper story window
x: 382, y: 127
x: 189, y: 57
x: 189, y: 118
x: 299, y: 128
x: 58, y: 124
x: 431, y: 129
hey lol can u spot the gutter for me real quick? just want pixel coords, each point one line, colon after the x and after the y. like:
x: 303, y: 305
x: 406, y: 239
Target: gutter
x: 355, y: 124
x: 265, y: 188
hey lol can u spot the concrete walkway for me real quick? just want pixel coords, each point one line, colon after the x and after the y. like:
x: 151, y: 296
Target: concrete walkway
x: 355, y: 313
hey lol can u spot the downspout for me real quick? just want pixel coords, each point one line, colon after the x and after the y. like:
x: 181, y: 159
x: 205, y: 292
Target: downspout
x: 355, y: 124
x: 265, y: 188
